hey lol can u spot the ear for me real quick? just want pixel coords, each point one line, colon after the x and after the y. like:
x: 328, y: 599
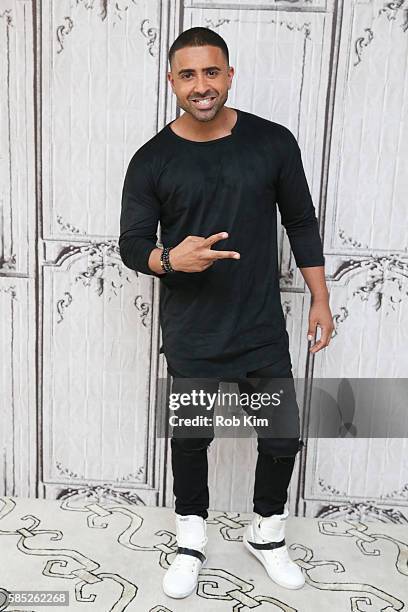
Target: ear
x: 170, y: 79
x: 230, y: 76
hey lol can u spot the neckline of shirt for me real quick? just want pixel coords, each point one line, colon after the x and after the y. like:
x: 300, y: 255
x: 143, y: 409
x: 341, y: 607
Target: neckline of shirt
x: 208, y: 142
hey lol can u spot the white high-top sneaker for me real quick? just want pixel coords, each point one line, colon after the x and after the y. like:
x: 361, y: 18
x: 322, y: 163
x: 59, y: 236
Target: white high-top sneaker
x: 181, y: 579
x: 265, y: 538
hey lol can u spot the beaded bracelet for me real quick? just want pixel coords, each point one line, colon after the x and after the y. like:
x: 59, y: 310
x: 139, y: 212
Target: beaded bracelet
x: 165, y: 260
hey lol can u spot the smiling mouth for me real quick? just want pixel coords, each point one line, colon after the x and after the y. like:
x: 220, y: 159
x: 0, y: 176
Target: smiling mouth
x: 204, y: 102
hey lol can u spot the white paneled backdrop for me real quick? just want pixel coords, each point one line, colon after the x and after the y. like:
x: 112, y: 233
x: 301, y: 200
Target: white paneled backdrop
x: 82, y: 86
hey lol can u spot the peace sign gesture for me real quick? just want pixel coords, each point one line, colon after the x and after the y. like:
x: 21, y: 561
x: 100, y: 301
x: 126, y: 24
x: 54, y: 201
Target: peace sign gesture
x: 194, y: 253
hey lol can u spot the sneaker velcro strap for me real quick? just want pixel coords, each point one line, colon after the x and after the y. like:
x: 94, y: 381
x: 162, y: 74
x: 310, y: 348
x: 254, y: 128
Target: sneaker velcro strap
x: 267, y: 545
x: 191, y: 551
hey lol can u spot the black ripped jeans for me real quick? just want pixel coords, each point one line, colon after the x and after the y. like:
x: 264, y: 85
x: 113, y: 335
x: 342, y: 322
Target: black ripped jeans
x: 275, y: 461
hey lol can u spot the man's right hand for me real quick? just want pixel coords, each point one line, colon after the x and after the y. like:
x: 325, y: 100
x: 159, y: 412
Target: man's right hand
x: 194, y: 253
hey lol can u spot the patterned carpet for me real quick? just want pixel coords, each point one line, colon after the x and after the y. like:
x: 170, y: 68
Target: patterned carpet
x: 111, y: 556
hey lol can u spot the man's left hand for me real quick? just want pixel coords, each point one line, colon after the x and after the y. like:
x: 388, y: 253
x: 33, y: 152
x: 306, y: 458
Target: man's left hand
x: 320, y: 316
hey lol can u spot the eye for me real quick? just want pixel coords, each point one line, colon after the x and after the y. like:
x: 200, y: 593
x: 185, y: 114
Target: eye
x: 214, y: 72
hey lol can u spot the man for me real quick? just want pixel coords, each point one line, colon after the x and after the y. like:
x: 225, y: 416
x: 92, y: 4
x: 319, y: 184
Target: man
x: 213, y: 178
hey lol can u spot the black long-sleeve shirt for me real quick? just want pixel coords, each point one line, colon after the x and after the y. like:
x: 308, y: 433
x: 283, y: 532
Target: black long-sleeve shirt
x: 228, y: 319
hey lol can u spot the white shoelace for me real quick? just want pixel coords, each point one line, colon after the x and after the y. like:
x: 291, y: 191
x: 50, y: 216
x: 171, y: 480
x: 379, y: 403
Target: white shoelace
x: 186, y: 562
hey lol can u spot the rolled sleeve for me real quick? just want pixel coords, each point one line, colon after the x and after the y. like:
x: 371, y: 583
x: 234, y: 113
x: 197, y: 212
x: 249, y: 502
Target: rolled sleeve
x: 296, y: 207
x: 140, y: 214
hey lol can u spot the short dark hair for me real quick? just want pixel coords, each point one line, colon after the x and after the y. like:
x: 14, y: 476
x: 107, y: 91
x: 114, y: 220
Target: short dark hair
x: 198, y: 37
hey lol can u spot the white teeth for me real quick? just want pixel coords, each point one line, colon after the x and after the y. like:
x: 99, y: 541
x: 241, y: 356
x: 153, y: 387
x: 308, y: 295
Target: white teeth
x: 203, y: 102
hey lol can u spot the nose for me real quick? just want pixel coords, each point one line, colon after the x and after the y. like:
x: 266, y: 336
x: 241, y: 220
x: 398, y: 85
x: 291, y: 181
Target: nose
x: 201, y: 85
